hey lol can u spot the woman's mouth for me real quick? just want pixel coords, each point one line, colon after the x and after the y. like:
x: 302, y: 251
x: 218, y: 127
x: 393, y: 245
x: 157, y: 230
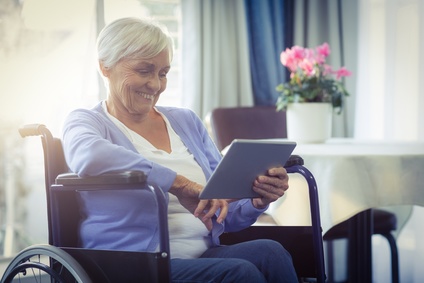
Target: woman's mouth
x: 146, y: 96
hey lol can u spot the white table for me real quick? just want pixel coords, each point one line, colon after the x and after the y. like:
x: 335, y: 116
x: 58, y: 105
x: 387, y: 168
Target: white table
x: 354, y: 176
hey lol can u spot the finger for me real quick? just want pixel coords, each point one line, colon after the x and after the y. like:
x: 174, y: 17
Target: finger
x: 279, y: 172
x: 208, y: 223
x: 200, y: 213
x: 223, y: 213
x: 213, y: 207
x: 269, y: 192
x: 266, y: 182
x: 201, y: 206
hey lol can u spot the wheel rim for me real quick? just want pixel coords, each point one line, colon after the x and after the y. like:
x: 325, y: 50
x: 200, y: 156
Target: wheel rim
x: 23, y: 267
x: 61, y: 264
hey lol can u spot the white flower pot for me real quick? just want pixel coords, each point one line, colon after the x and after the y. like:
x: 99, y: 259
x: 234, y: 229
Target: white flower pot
x: 309, y: 122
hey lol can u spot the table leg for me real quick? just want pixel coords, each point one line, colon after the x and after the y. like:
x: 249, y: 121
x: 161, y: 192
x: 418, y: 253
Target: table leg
x: 360, y: 249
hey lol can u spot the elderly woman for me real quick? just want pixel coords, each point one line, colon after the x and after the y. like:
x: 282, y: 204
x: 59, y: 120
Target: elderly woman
x: 128, y: 131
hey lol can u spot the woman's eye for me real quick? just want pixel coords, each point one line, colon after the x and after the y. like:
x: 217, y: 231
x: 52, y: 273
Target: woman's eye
x: 143, y: 72
x: 163, y: 75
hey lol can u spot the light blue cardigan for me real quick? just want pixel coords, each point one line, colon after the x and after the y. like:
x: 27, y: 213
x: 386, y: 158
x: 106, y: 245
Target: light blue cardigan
x: 127, y: 220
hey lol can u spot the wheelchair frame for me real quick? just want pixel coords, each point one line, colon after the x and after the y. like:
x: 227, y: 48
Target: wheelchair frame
x: 63, y: 261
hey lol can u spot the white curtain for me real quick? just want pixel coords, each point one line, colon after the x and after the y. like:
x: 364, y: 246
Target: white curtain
x: 215, y: 59
x: 390, y: 83
x: 390, y: 99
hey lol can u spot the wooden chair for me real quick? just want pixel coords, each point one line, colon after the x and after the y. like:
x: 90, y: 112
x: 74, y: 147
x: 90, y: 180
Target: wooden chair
x: 261, y: 122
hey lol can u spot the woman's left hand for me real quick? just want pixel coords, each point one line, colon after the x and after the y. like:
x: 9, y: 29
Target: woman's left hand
x: 270, y: 187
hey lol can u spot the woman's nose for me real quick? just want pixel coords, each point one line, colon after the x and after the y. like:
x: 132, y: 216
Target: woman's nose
x: 154, y: 83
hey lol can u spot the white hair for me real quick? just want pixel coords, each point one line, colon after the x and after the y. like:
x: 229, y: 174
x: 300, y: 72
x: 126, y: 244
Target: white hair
x: 132, y: 38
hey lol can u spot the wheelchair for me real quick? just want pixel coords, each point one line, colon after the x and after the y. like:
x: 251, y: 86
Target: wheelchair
x: 63, y: 260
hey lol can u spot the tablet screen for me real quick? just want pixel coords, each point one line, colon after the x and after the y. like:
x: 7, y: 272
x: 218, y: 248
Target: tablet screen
x: 242, y: 163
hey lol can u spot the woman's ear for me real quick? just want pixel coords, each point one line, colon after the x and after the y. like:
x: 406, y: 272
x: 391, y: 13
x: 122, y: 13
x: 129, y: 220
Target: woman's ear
x: 103, y: 69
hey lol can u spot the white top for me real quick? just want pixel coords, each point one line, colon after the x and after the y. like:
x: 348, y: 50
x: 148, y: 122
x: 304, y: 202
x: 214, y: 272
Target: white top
x: 189, y: 237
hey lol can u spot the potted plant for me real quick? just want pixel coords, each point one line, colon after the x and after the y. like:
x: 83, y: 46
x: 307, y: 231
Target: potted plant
x: 313, y: 85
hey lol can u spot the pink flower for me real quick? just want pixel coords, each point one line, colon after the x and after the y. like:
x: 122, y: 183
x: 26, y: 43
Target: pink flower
x: 311, y: 78
x: 310, y: 62
x: 327, y: 70
x: 284, y: 56
x: 308, y: 67
x: 323, y: 50
x: 342, y: 72
x: 298, y: 52
x: 291, y: 57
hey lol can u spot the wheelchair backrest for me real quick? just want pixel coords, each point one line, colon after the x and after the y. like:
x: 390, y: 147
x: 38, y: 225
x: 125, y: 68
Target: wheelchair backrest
x: 63, y: 215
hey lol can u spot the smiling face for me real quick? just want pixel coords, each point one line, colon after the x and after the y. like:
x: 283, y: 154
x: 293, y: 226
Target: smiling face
x: 136, y: 84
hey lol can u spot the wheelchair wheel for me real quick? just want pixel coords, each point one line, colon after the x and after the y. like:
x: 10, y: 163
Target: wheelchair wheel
x: 44, y: 263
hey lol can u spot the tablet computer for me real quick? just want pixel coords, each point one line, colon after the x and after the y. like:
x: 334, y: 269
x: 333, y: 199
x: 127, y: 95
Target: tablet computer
x: 244, y: 161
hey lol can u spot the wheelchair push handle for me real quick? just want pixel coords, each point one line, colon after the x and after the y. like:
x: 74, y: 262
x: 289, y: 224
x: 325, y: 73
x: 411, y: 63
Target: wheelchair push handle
x: 32, y: 130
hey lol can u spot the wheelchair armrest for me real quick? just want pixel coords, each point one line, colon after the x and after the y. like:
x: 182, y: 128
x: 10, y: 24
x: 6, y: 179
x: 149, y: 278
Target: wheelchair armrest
x: 63, y: 191
x: 115, y: 177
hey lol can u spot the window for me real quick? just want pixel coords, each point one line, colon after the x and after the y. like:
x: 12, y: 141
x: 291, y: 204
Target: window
x: 167, y: 12
x: 48, y: 68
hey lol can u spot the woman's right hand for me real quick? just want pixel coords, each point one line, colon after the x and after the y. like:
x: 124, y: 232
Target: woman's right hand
x: 188, y: 192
